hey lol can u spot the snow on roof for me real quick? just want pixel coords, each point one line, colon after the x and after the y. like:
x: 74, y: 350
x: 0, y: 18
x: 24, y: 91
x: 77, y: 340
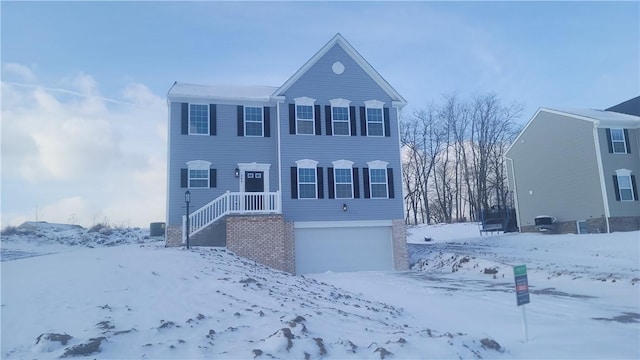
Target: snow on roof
x: 222, y: 92
x: 605, y: 118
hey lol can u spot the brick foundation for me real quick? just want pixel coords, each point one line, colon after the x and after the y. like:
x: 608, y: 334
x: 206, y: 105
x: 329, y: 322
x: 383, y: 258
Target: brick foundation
x: 266, y: 239
x: 400, y: 256
x: 624, y: 223
x: 173, y: 235
x: 594, y: 225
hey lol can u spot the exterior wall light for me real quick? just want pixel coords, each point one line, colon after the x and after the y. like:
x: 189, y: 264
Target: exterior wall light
x: 237, y: 172
x: 344, y: 207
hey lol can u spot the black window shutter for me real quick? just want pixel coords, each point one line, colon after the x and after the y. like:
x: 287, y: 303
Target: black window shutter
x: 387, y: 125
x: 626, y: 140
x: 352, y: 116
x: 319, y: 179
x: 317, y: 120
x: 365, y: 179
x: 185, y: 118
x: 615, y: 186
x: 390, y: 182
x: 363, y: 121
x: 609, y: 140
x: 356, y: 183
x: 213, y: 178
x: 331, y: 183
x: 327, y: 118
x: 184, y: 178
x: 292, y: 119
x: 240, y: 120
x: 212, y: 119
x: 267, y: 121
x: 635, y: 188
x: 294, y: 182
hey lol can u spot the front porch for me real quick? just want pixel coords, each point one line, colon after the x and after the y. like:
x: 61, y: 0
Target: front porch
x: 230, y: 203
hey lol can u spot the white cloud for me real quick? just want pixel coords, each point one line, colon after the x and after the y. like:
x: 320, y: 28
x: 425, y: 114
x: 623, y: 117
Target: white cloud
x: 24, y: 73
x: 80, y: 155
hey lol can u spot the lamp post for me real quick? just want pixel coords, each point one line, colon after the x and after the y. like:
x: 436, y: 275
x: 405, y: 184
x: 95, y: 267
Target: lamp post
x: 187, y: 200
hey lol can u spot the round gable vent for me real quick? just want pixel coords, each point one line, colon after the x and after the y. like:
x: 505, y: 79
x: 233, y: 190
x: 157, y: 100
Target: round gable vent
x: 337, y: 67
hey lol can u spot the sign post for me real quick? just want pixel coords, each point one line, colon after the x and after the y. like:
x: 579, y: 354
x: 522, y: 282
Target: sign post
x: 522, y: 294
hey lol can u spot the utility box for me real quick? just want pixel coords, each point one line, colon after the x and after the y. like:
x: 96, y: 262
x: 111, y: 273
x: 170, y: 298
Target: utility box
x: 546, y: 224
x: 156, y: 229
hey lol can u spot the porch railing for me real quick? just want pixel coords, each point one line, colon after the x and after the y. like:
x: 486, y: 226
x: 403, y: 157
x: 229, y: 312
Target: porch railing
x: 231, y: 203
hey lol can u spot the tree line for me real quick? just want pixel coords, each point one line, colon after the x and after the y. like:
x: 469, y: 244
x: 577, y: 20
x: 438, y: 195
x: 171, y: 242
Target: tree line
x: 452, y: 158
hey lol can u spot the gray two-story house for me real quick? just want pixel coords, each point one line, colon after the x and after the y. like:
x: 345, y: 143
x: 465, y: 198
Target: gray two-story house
x: 304, y: 177
x: 578, y: 167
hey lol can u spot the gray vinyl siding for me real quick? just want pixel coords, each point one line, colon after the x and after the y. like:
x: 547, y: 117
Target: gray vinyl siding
x: 322, y: 84
x: 612, y: 162
x: 555, y: 158
x: 224, y: 150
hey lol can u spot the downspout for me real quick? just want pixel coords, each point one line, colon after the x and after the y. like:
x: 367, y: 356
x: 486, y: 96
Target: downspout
x: 279, y: 156
x: 515, y: 192
x: 605, y: 199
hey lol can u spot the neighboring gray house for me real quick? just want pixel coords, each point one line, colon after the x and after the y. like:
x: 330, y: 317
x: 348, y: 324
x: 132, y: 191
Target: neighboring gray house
x: 580, y: 167
x: 305, y: 177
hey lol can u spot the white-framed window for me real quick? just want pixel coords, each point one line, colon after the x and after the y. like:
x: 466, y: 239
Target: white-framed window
x: 340, y: 117
x: 618, y: 141
x: 305, y: 116
x: 375, y: 117
x: 625, y: 185
x: 307, y: 180
x: 343, y: 179
x: 198, y: 119
x: 198, y: 174
x: 378, y: 179
x: 253, y: 122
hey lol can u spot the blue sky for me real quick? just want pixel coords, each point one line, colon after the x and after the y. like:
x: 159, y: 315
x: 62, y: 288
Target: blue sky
x: 84, y: 83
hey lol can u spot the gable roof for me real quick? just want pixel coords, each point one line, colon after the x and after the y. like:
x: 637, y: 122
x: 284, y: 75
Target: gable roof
x: 339, y: 40
x: 221, y: 92
x: 600, y: 119
x: 631, y: 107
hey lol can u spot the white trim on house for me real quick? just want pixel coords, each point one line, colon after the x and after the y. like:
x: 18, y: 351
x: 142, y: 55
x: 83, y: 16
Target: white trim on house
x: 342, y: 165
x: 377, y: 164
x: 624, y: 173
x: 515, y: 191
x: 206, y: 133
x: 200, y: 165
x: 243, y: 167
x: 338, y: 39
x: 603, y: 186
x: 340, y: 103
x: 279, y: 152
x: 338, y: 224
x: 245, y: 121
x: 378, y: 105
x: 305, y: 101
x: 307, y: 164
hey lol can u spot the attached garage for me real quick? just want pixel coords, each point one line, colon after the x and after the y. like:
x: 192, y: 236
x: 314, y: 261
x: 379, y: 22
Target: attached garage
x: 343, y: 246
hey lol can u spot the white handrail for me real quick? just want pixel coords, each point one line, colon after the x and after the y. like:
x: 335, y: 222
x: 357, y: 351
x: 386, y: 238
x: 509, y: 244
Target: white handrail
x: 233, y: 203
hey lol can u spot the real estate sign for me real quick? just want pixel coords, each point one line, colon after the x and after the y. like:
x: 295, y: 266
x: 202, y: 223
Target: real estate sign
x: 522, y: 284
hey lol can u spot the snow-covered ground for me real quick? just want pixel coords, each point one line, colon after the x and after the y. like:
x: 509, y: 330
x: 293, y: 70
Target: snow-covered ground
x: 142, y: 300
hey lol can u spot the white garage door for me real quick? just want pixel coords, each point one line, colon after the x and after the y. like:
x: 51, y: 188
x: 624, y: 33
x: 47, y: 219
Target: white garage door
x: 349, y: 248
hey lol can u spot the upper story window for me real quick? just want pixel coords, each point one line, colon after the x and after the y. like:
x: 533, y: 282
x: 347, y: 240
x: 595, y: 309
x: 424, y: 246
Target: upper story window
x: 307, y: 180
x: 625, y: 186
x: 378, y: 179
x: 343, y: 179
x: 305, y: 116
x: 198, y: 173
x: 198, y: 119
x: 253, y: 122
x: 375, y: 118
x: 618, y: 140
x: 341, y: 124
